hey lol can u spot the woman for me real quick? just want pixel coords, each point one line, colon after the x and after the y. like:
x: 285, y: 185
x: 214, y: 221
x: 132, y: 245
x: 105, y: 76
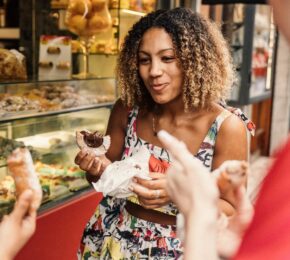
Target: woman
x: 173, y: 71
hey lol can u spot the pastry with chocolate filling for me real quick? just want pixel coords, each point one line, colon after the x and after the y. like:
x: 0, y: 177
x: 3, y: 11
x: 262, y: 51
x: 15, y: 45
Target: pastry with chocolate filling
x: 93, y: 141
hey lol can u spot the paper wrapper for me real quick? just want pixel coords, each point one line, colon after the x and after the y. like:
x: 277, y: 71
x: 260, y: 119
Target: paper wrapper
x: 117, y: 177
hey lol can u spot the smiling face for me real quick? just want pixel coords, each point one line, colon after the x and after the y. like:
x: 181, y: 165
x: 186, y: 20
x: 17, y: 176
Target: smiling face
x: 158, y: 66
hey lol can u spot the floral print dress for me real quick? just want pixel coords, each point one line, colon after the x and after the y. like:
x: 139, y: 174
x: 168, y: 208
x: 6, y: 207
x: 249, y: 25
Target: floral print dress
x: 112, y: 233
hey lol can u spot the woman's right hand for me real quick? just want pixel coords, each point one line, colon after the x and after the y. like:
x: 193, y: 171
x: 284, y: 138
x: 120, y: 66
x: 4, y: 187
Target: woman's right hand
x: 92, y: 164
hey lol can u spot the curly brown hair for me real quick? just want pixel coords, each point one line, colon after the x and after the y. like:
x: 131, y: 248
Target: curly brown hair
x: 201, y: 51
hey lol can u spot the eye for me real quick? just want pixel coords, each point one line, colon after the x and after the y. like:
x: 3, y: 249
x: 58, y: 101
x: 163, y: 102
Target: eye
x: 143, y: 61
x: 168, y: 59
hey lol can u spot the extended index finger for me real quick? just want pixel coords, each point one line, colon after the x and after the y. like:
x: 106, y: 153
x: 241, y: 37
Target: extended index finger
x: 176, y: 148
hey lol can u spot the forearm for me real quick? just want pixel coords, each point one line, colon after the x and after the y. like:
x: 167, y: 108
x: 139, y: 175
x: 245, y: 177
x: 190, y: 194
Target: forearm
x: 5, y: 255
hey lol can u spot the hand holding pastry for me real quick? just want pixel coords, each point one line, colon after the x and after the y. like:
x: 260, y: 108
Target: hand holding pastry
x: 92, y: 164
x: 230, y: 176
x: 152, y: 193
x: 92, y: 157
x: 18, y: 227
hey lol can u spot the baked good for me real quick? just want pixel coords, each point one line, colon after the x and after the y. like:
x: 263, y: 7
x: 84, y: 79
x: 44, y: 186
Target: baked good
x: 231, y: 174
x: 22, y: 170
x: 7, y: 190
x: 64, y: 65
x: 55, y: 175
x: 53, y: 50
x: 12, y: 65
x: 45, y: 64
x: 93, y: 142
x: 77, y: 24
x: 88, y: 17
x: 80, y: 7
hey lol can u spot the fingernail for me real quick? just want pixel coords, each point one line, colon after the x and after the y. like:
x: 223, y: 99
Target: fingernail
x: 131, y: 188
x: 135, y: 180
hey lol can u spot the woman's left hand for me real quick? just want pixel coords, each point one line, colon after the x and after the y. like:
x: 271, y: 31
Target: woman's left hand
x: 152, y: 194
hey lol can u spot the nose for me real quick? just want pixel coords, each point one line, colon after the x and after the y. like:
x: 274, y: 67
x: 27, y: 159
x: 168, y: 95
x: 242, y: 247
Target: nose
x: 155, y: 69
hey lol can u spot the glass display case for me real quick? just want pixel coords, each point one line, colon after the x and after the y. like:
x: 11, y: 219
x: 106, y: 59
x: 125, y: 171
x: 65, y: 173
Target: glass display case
x: 248, y: 26
x: 43, y: 113
x: 44, y: 117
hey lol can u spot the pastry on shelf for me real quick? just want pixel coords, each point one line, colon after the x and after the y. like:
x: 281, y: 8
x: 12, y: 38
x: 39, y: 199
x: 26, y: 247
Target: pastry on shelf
x: 12, y: 65
x: 7, y: 190
x: 69, y: 176
x: 86, y: 18
x: 7, y: 195
x: 17, y: 103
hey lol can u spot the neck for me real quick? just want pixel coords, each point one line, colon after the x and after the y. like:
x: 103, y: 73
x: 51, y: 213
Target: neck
x: 173, y: 108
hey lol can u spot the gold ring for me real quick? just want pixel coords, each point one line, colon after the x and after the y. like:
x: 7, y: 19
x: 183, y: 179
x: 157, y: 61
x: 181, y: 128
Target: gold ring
x: 157, y: 194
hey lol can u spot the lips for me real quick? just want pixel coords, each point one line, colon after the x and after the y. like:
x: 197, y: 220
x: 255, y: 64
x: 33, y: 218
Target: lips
x: 158, y: 87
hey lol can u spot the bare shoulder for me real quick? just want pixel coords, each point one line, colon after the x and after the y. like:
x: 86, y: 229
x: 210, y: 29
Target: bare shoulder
x: 233, y: 125
x: 231, y: 142
x: 120, y: 108
x: 119, y: 115
x: 117, y: 130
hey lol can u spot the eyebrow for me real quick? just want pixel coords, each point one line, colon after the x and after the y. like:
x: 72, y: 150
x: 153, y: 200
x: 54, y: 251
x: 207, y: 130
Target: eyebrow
x: 163, y: 50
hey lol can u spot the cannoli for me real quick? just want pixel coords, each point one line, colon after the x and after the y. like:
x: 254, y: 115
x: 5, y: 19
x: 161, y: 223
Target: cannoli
x: 231, y: 174
x: 93, y: 142
x: 22, y: 170
x: 53, y: 50
x: 45, y: 64
x: 64, y: 65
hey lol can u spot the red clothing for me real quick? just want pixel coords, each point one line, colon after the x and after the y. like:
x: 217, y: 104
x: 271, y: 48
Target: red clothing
x: 268, y: 236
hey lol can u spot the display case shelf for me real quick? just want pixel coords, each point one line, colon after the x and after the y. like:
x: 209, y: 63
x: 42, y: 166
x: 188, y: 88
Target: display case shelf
x: 38, y: 81
x: 27, y: 115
